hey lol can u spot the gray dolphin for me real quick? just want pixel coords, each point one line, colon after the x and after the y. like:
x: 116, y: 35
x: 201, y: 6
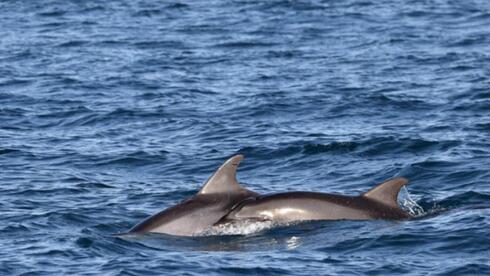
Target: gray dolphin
x: 378, y: 203
x: 216, y: 198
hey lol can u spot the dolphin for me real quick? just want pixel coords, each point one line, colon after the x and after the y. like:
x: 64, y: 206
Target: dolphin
x: 219, y: 195
x: 378, y: 203
x: 223, y: 200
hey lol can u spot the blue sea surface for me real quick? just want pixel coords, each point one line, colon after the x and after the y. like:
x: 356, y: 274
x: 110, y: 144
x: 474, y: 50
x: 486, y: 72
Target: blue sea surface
x: 113, y: 110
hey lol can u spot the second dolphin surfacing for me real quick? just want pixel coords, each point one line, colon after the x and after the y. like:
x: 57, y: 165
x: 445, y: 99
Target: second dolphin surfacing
x: 223, y: 200
x: 378, y: 203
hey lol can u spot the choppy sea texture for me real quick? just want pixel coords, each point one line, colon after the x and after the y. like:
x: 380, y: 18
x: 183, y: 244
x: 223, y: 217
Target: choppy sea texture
x: 113, y: 110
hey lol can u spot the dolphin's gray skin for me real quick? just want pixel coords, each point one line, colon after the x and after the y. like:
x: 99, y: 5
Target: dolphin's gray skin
x: 217, y: 198
x: 222, y: 200
x: 378, y: 203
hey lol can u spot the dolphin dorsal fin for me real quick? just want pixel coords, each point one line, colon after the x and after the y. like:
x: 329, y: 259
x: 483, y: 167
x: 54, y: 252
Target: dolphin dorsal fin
x: 387, y: 192
x: 224, y: 179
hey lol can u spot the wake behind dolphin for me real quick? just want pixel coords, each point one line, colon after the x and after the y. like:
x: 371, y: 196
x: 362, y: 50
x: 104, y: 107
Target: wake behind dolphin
x: 223, y: 201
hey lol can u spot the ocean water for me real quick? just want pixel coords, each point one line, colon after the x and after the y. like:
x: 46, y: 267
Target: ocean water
x: 113, y: 110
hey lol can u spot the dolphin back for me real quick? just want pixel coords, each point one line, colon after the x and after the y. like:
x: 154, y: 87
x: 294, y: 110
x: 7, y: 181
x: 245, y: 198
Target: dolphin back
x: 216, y: 198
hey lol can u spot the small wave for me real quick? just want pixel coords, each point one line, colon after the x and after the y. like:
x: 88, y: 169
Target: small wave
x: 148, y: 13
x: 15, y: 82
x: 280, y: 54
x: 94, y: 185
x: 369, y: 147
x: 336, y: 147
x: 7, y: 151
x: 48, y: 192
x: 383, y: 145
x: 177, y: 6
x: 468, y: 41
x: 15, y: 98
x: 159, y: 44
x: 468, y: 199
x: 482, y: 126
x: 53, y: 13
x: 468, y: 269
x: 94, y: 8
x: 404, y: 102
x: 244, y: 44
x: 84, y: 242
x: 136, y: 158
x: 72, y: 43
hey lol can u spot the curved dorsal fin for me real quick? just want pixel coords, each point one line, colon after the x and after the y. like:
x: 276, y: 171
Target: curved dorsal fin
x: 387, y: 192
x: 224, y: 179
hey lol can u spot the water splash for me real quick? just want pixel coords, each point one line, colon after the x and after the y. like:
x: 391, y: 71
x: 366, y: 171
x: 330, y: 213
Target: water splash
x: 410, y: 205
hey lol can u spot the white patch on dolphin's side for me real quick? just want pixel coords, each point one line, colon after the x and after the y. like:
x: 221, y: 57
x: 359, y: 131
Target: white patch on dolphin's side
x: 243, y: 227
